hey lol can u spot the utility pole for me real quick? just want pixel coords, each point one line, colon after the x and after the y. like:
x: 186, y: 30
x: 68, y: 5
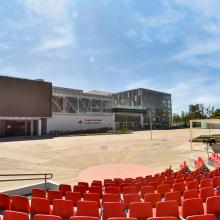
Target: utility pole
x: 151, y: 128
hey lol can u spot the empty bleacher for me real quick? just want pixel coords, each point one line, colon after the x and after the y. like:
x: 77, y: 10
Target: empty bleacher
x: 185, y: 194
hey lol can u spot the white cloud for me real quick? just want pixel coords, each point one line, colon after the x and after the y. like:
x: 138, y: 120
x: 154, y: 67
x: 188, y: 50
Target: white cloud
x: 91, y: 59
x: 205, y: 47
x: 4, y: 46
x: 55, y: 22
x: 59, y: 38
x: 53, y: 9
x: 138, y: 84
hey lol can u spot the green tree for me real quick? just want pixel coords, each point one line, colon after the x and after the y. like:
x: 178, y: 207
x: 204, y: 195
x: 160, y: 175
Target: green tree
x: 216, y: 113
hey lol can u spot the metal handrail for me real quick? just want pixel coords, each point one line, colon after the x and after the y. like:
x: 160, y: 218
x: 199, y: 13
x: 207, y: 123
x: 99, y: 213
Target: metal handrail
x: 45, y: 177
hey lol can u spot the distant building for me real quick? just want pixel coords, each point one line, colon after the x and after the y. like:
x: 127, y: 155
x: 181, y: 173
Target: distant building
x: 35, y: 107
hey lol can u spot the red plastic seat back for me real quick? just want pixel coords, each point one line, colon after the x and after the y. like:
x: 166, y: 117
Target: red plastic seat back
x: 213, y: 206
x: 205, y: 183
x: 63, y: 208
x: 79, y: 188
x: 110, y: 197
x: 40, y: 206
x: 202, y: 217
x: 121, y: 218
x: 140, y: 210
x: 4, y: 201
x: 206, y: 192
x: 163, y: 218
x: 87, y: 208
x: 146, y: 189
x: 216, y: 181
x: 113, y: 209
x: 167, y: 208
x: 20, y: 204
x: 96, y: 189
x: 52, y: 194
x: 153, y: 198
x: 129, y: 198
x: 192, y: 207
x: 47, y: 217
x: 13, y: 215
x: 83, y: 218
x: 129, y: 190
x: 173, y: 196
x: 85, y: 184
x: 74, y: 196
x: 112, y: 189
x: 190, y: 194
x: 163, y: 189
x: 38, y: 192
x: 193, y: 185
x: 179, y: 187
x: 92, y: 197
x: 65, y: 188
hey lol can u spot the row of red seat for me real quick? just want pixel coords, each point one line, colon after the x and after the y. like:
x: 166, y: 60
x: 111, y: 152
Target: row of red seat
x: 11, y: 215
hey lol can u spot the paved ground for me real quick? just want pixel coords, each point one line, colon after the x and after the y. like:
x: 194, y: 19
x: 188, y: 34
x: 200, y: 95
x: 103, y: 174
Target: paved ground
x: 65, y: 157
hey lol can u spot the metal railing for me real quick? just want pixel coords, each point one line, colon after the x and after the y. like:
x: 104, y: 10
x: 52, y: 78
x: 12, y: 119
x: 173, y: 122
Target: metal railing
x: 26, y: 177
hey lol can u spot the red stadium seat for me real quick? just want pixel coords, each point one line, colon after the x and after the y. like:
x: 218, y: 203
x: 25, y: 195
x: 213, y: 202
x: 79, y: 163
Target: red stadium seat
x: 110, y: 197
x: 201, y: 217
x: 113, y: 209
x: 52, y: 194
x: 112, y: 189
x: 153, y: 198
x: 79, y: 188
x: 87, y: 208
x: 140, y: 210
x: 213, y: 206
x: 13, y: 215
x: 65, y: 188
x: 173, y: 196
x: 170, y: 182
x: 206, y: 192
x: 193, y: 185
x: 96, y: 189
x: 190, y: 194
x: 121, y: 218
x: 38, y: 192
x: 4, y: 202
x: 20, y: 204
x: 129, y: 190
x: 83, y: 218
x: 92, y: 197
x: 167, y: 208
x: 146, y: 189
x: 85, y: 184
x: 205, y: 183
x: 163, y: 218
x: 192, y: 207
x: 47, y: 217
x: 129, y: 198
x: 216, y: 181
x: 40, y: 206
x: 179, y: 187
x: 63, y: 208
x: 122, y: 185
x: 163, y: 189
x: 74, y: 196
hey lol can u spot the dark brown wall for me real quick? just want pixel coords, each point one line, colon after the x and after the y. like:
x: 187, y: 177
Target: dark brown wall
x: 25, y: 98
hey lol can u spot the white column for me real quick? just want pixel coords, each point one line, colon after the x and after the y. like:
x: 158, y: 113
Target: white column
x: 32, y: 127
x: 142, y: 120
x: 113, y: 122
x: 39, y: 129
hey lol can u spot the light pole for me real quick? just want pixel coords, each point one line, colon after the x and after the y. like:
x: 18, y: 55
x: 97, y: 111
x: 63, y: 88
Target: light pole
x: 151, y: 132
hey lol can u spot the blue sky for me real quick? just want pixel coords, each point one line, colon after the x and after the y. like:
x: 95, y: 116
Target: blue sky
x: 167, y: 45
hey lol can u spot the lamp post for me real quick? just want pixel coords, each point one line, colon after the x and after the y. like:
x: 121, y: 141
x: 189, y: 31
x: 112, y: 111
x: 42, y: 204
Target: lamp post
x: 151, y: 128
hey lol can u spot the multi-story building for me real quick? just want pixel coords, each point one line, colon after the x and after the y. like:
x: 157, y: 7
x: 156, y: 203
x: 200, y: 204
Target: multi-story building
x: 31, y: 107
